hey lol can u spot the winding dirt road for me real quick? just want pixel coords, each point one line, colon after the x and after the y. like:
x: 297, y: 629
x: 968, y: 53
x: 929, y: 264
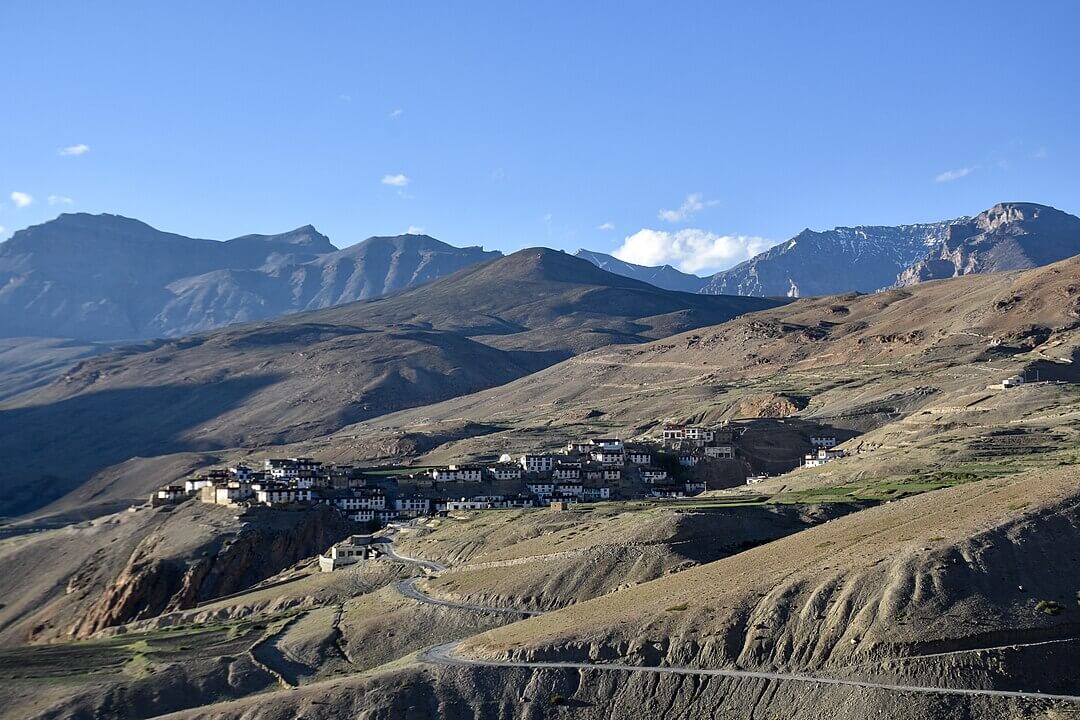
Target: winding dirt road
x: 447, y: 655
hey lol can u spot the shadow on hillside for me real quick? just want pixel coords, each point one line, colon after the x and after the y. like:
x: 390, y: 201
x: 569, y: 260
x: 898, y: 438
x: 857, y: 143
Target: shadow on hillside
x: 58, y: 446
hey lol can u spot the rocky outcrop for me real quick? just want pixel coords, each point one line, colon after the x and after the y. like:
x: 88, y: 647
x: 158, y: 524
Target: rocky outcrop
x: 156, y: 579
x: 1008, y: 236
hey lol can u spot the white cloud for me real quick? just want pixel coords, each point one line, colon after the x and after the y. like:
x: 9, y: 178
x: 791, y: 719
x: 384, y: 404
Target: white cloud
x: 414, y: 230
x: 2, y: 230
x: 60, y: 200
x: 690, y: 249
x: 395, y: 114
x: 400, y: 180
x: 74, y: 150
x: 693, y: 204
x: 1041, y: 153
x: 21, y: 199
x: 950, y: 175
x: 606, y: 226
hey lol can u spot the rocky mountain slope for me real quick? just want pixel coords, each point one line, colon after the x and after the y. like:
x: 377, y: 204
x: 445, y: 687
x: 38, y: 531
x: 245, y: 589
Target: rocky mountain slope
x: 307, y: 375
x: 106, y: 277
x: 1009, y: 236
x: 864, y: 258
x: 663, y: 276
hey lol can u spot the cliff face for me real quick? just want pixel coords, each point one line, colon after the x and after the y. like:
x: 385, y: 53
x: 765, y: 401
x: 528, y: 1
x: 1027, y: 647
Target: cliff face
x: 1008, y: 236
x: 160, y: 577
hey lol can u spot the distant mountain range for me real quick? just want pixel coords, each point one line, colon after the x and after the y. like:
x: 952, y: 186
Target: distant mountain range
x: 307, y: 374
x: 663, y: 276
x: 106, y: 277
x: 867, y: 258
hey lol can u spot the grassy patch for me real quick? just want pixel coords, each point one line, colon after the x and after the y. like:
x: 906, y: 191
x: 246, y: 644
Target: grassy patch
x: 1049, y: 607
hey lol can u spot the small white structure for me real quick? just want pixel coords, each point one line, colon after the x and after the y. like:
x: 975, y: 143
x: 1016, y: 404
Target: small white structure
x: 348, y: 552
x: 823, y: 441
x: 638, y: 456
x: 1011, y: 382
x: 823, y: 456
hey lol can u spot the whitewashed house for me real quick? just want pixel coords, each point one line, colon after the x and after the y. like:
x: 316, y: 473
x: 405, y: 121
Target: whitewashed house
x: 720, y: 452
x: 537, y: 463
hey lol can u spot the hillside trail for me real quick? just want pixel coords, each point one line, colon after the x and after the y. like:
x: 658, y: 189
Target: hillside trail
x: 448, y: 654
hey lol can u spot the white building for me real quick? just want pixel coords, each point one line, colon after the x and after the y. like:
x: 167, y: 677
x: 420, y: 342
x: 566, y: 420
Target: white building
x: 720, y: 452
x: 1011, y: 382
x: 458, y: 473
x: 608, y: 443
x: 537, y: 463
x: 607, y: 456
x: 653, y: 474
x: 674, y: 432
x: 688, y: 459
x: 596, y: 493
x: 694, y: 487
x: 823, y: 441
x: 196, y: 484
x: 565, y: 471
x: 542, y: 488
x: 821, y: 457
x: 698, y: 434
x: 412, y: 506
x: 347, y: 552
x: 282, y: 495
x: 505, y: 471
x: 639, y: 457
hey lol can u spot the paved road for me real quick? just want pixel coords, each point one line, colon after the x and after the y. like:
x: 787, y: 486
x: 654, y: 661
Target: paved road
x: 408, y: 589
x: 388, y: 549
x: 447, y: 654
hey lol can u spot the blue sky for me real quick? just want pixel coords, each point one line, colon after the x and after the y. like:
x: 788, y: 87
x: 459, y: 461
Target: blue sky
x: 516, y: 124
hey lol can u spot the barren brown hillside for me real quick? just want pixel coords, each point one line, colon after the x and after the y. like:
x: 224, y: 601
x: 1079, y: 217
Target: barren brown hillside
x: 304, y: 376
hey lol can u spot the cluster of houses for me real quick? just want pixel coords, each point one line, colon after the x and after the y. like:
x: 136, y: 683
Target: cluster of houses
x: 589, y: 470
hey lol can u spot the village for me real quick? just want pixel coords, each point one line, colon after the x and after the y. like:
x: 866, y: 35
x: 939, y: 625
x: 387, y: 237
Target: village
x: 584, y: 470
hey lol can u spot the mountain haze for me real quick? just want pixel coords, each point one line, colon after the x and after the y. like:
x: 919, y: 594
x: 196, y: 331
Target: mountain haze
x: 106, y: 277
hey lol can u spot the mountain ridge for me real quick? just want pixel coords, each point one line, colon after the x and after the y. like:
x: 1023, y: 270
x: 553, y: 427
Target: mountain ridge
x: 111, y: 278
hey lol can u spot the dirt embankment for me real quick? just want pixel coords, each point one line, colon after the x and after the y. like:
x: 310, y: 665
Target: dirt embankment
x: 152, y: 582
x: 130, y: 566
x: 977, y: 566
